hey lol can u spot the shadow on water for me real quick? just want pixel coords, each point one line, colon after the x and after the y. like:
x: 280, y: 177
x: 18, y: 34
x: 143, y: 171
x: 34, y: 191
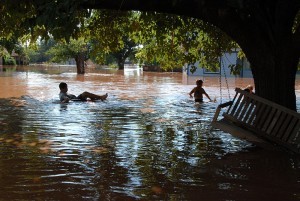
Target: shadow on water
x: 148, y: 141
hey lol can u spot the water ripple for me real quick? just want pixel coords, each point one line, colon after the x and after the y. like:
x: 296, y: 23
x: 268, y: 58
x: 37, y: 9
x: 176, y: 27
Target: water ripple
x: 157, y: 146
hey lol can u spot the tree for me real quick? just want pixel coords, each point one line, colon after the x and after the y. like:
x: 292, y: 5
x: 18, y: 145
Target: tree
x: 10, y: 45
x: 169, y: 40
x: 77, y: 49
x: 166, y: 39
x: 110, y: 33
x: 173, y: 40
x: 124, y: 53
x: 267, y: 31
x: 7, y: 46
x: 38, y: 53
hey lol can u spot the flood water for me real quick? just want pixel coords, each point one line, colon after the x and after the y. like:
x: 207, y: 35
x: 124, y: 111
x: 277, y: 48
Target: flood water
x: 148, y: 141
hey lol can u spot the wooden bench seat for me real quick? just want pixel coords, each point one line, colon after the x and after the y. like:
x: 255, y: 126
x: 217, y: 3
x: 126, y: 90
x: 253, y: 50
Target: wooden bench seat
x: 265, y: 119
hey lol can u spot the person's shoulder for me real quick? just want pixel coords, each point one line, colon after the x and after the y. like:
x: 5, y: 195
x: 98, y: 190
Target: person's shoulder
x: 62, y: 95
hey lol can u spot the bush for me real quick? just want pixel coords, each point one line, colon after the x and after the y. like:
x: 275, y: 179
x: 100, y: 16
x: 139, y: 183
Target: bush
x: 8, y: 60
x: 113, y: 65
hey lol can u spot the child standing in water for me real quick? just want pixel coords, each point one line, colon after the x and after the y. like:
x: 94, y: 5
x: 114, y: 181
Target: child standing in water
x: 198, y: 92
x: 65, y: 97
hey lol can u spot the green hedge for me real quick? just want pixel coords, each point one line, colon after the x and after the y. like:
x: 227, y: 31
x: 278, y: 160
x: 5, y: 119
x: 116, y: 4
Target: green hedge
x: 8, y: 60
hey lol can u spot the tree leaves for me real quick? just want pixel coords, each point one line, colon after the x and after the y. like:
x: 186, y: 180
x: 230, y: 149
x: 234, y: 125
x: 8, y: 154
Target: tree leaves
x: 64, y: 50
x: 169, y: 40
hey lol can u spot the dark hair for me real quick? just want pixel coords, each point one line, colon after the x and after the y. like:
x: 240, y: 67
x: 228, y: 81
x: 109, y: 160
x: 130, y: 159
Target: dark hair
x: 63, y: 85
x: 199, y: 82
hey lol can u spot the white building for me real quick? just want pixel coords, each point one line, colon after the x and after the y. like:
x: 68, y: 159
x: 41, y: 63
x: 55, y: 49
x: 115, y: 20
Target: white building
x: 225, y: 61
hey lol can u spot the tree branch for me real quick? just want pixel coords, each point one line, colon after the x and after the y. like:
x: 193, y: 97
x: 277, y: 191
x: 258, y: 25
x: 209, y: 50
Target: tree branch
x: 296, y: 38
x: 246, y: 22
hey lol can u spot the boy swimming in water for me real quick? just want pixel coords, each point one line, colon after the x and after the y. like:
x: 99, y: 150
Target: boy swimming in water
x: 64, y: 97
x: 198, y: 92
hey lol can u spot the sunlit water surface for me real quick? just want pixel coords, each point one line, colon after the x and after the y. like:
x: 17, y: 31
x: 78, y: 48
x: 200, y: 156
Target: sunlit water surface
x: 148, y: 141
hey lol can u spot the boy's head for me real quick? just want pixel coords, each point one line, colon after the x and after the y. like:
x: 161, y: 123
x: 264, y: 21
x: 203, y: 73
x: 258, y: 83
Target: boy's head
x: 63, y: 86
x: 199, y: 82
x: 250, y: 87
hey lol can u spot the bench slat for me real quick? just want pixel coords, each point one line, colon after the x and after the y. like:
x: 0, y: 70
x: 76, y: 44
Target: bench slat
x: 284, y: 126
x: 295, y: 133
x: 279, y: 123
x: 245, y: 109
x: 290, y: 129
x: 259, y: 112
x: 236, y: 104
x: 254, y: 112
x: 263, y: 119
x: 273, y: 122
x: 269, y: 119
x: 250, y: 112
x: 232, y: 103
x: 239, y: 109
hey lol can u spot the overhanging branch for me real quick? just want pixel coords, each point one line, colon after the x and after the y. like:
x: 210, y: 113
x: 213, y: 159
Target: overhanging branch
x: 297, y: 38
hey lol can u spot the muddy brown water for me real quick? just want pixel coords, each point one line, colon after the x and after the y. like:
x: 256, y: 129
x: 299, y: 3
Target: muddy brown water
x: 148, y: 141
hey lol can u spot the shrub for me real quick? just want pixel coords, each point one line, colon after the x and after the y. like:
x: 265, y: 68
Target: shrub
x: 8, y: 60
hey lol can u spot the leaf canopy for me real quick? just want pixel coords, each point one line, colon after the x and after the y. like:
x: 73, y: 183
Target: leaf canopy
x: 170, y: 40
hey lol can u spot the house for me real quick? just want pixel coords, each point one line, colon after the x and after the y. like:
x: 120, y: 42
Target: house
x: 157, y: 68
x: 20, y: 60
x: 226, y: 60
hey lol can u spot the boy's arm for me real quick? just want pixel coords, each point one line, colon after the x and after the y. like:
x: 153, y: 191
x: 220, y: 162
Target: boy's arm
x: 71, y: 96
x: 207, y: 95
x: 65, y: 100
x: 192, y: 93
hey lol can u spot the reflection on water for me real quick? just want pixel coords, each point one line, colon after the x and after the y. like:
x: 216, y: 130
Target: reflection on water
x: 148, y: 141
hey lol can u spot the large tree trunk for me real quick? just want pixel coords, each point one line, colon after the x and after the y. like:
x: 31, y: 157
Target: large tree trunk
x: 264, y: 32
x: 274, y: 77
x: 121, y: 64
x: 80, y: 61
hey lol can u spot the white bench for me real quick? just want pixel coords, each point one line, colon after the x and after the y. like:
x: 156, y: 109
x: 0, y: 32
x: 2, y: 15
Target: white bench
x: 268, y: 121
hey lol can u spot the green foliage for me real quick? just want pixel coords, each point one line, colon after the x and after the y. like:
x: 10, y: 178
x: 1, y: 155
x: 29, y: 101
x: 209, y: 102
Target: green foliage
x: 173, y: 40
x: 128, y: 50
x: 8, y: 44
x: 109, y: 59
x: 34, y: 56
x: 113, y: 65
x: 235, y: 69
x: 109, y: 31
x: 193, y: 69
x: 63, y: 19
x: 169, y: 40
x: 296, y: 22
x: 3, y: 51
x: 8, y: 60
x: 37, y: 52
x: 63, y: 50
x: 15, y: 19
